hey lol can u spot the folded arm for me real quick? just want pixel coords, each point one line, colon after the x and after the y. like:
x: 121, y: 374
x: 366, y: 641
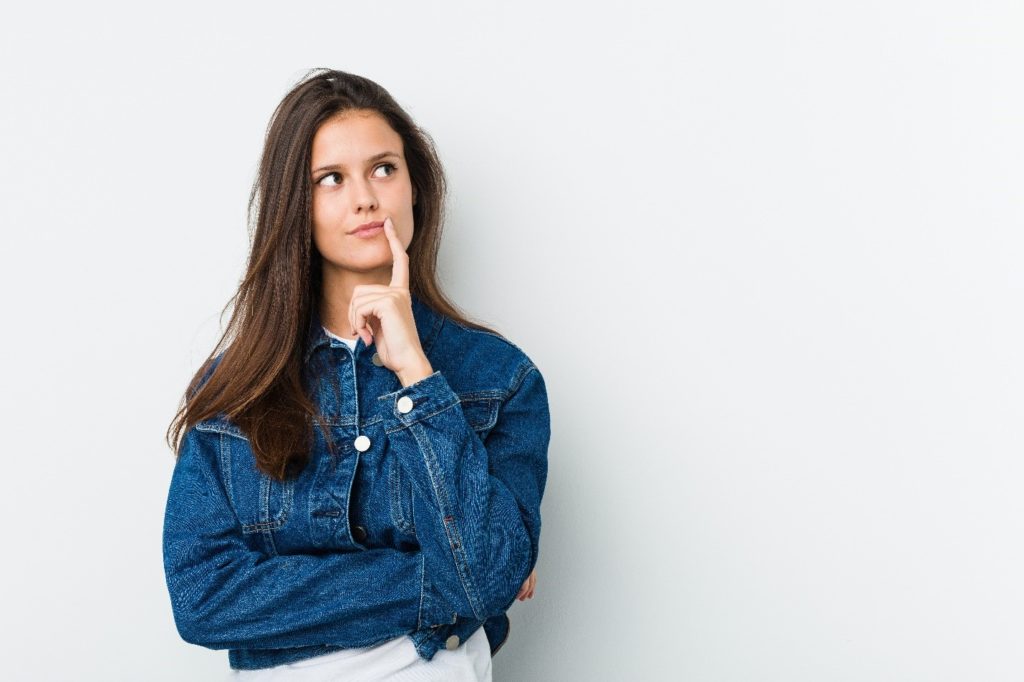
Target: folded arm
x: 478, y: 502
x: 226, y: 595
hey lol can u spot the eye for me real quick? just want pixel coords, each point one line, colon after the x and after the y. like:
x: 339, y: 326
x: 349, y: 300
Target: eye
x: 329, y: 175
x: 392, y: 166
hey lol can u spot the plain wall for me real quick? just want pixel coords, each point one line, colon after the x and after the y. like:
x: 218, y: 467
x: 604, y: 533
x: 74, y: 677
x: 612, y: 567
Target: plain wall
x: 767, y: 256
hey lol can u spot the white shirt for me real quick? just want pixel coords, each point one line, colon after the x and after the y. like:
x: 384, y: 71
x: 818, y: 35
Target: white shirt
x: 395, y: 659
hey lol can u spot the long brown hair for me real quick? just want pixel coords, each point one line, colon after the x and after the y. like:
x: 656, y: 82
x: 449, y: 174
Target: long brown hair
x: 258, y: 383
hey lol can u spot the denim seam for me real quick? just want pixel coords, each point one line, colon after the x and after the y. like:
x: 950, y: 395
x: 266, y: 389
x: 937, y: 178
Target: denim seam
x: 260, y: 527
x: 410, y: 388
x: 491, y: 407
x: 265, y: 525
x: 423, y: 580
x: 264, y: 517
x: 224, y: 429
x: 403, y: 425
x: 397, y: 497
x: 520, y: 376
x: 351, y: 476
x: 224, y: 461
x: 490, y: 394
x: 454, y: 540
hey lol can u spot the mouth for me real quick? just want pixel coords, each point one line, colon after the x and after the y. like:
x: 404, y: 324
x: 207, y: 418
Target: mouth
x: 368, y: 227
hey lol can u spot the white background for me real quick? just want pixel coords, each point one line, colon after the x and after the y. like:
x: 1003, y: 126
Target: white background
x: 767, y: 256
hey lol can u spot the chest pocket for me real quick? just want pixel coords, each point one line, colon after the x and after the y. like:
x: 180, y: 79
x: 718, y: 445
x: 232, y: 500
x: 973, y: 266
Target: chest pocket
x: 261, y: 503
x: 481, y: 412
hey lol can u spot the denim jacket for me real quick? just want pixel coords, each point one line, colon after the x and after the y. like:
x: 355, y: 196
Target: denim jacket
x: 425, y: 522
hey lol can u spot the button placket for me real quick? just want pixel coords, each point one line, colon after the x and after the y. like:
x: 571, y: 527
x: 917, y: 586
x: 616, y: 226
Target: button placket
x: 362, y: 444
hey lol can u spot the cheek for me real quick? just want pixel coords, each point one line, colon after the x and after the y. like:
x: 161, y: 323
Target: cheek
x: 322, y: 216
x: 317, y: 240
x: 319, y: 210
x: 319, y: 233
x: 408, y: 230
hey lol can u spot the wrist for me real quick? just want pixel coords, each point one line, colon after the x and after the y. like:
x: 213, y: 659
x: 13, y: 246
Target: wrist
x: 415, y: 372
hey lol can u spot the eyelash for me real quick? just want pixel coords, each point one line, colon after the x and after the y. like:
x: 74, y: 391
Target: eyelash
x: 393, y: 169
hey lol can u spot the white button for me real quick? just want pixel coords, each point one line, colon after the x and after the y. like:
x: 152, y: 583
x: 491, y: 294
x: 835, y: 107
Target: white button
x: 362, y: 443
x: 404, y: 404
x: 376, y: 360
x: 452, y: 643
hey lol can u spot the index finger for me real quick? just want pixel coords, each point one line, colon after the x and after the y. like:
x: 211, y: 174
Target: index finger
x: 400, y: 265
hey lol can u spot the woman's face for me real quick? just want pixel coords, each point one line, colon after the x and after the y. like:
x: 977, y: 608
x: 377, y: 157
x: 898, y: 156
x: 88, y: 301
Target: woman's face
x: 359, y: 176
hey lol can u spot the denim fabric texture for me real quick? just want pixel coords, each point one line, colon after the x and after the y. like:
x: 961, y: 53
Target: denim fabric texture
x: 429, y: 531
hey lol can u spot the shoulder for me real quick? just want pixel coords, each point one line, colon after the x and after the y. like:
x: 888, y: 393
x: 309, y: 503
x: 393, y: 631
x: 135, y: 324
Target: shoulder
x: 487, y: 345
x: 480, y: 341
x: 480, y: 358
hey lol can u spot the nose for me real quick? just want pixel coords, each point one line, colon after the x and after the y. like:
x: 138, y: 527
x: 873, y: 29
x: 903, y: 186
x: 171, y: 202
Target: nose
x: 364, y: 197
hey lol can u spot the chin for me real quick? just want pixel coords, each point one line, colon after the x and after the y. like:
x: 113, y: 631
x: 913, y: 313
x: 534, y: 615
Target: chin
x: 362, y: 265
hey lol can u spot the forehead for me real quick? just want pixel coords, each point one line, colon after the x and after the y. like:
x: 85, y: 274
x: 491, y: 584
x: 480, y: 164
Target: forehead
x: 353, y: 136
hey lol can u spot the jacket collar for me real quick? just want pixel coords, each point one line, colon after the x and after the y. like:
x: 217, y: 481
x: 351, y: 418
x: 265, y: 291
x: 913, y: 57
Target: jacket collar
x: 428, y: 324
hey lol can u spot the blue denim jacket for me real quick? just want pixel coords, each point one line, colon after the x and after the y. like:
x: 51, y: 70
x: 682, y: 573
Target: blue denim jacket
x: 425, y: 523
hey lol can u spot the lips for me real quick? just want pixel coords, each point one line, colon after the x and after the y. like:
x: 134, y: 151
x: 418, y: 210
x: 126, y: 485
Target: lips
x: 368, y: 226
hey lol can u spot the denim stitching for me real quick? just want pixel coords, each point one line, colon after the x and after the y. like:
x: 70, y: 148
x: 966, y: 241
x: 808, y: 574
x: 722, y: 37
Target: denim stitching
x: 423, y: 579
x: 491, y: 407
x: 265, y: 525
x: 348, y: 500
x: 224, y: 461
x: 490, y: 394
x: 430, y: 459
x: 520, y: 376
x: 418, y: 419
x: 397, y: 495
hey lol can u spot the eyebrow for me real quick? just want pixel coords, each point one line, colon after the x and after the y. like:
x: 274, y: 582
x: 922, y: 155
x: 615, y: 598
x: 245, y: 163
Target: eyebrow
x: 373, y: 158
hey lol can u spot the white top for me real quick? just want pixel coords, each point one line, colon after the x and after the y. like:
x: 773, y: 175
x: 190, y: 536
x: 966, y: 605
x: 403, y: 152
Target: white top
x: 395, y: 659
x: 351, y: 342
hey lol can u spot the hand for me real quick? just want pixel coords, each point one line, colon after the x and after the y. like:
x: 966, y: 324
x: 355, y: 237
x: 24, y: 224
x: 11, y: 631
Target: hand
x: 382, y: 314
x: 526, y: 591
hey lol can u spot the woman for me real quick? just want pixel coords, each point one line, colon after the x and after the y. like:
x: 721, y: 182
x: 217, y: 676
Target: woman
x: 357, y: 490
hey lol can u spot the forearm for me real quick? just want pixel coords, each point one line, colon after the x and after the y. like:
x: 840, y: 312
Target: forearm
x: 477, y: 506
x: 226, y: 595
x: 236, y: 600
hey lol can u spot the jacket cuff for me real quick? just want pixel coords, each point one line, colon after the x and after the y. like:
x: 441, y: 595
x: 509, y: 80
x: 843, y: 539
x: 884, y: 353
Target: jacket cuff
x: 417, y: 401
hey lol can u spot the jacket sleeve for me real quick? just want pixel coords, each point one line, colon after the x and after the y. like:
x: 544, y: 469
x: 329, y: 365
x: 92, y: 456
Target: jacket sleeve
x: 477, y: 504
x: 226, y: 595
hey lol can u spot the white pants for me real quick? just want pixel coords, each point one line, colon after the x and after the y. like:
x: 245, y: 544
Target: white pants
x: 395, y: 660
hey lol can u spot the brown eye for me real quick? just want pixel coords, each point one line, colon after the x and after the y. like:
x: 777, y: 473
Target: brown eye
x: 329, y: 175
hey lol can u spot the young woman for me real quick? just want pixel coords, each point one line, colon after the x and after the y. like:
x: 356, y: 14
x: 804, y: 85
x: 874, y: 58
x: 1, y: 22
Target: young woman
x: 357, y: 488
